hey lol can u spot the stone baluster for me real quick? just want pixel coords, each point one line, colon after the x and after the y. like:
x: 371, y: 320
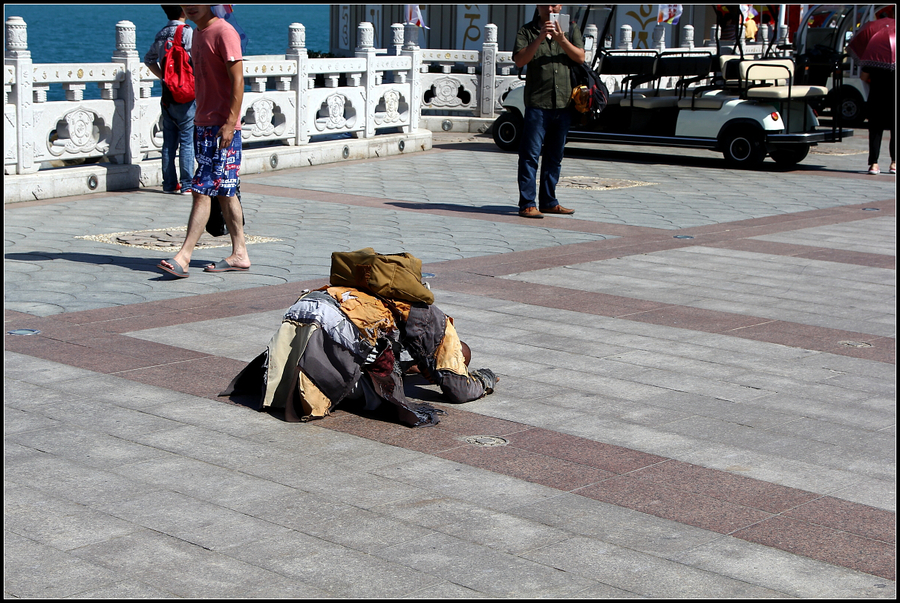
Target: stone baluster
x: 765, y: 33
x: 590, y: 43
x: 489, y: 50
x: 715, y: 33
x: 74, y: 91
x: 21, y: 95
x: 130, y: 89
x: 783, y: 37
x: 39, y: 92
x: 625, y: 36
x: 412, y: 50
x: 688, y: 37
x: 297, y: 51
x: 659, y: 37
x: 366, y: 50
x: 396, y: 39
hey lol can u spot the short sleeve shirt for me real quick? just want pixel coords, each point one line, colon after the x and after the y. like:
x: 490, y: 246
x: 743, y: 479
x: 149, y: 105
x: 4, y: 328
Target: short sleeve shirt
x: 213, y: 48
x: 548, y: 81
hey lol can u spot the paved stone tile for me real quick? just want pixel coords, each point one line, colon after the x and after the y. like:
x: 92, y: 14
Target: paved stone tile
x: 486, y: 570
x: 57, y: 523
x: 784, y: 572
x: 26, y: 575
x: 617, y: 567
x: 189, y: 570
x: 333, y: 568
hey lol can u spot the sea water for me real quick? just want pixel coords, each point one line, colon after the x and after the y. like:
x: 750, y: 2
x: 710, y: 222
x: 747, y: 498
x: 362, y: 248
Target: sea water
x: 86, y: 33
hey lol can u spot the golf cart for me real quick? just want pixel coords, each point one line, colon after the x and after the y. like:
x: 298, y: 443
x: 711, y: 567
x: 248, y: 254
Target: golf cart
x: 742, y: 107
x: 819, y: 46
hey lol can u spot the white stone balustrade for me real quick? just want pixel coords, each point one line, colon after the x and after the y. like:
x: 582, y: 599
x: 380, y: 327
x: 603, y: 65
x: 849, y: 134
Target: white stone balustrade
x: 290, y: 99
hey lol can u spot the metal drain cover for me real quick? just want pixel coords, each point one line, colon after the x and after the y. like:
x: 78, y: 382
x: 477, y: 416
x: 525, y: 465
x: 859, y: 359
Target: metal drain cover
x: 486, y: 440
x: 23, y: 332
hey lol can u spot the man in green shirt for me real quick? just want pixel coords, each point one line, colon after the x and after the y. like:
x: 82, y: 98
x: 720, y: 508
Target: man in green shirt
x: 548, y: 51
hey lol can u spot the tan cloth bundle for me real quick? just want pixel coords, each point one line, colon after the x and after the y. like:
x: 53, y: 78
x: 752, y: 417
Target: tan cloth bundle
x: 394, y: 276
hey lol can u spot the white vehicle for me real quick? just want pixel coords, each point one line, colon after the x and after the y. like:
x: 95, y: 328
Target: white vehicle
x: 819, y: 49
x: 744, y: 108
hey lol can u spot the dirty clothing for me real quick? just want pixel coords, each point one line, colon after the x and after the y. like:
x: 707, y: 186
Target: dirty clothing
x: 337, y: 343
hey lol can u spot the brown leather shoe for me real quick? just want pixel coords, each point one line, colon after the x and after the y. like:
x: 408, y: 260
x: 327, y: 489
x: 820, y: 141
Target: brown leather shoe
x: 530, y: 212
x: 558, y: 209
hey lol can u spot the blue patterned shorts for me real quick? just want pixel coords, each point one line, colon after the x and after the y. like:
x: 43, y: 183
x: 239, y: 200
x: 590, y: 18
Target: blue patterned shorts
x: 217, y: 169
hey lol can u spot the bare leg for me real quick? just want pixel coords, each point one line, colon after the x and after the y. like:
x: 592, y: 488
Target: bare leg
x: 234, y: 219
x: 195, y: 228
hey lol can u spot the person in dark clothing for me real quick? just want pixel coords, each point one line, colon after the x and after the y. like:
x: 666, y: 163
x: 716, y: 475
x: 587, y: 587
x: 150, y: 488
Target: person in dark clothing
x: 548, y: 51
x: 881, y: 110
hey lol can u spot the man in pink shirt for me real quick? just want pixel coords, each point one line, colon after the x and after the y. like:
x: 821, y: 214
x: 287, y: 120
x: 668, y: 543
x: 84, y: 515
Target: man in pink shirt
x: 219, y: 87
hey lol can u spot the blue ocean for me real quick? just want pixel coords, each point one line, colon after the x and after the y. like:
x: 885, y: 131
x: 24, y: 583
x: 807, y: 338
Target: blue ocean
x: 74, y: 33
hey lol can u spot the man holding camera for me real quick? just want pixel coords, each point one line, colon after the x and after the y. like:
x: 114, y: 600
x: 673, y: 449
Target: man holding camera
x: 548, y: 51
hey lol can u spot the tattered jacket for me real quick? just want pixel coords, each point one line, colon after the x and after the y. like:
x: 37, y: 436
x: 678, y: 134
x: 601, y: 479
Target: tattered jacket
x: 338, y: 342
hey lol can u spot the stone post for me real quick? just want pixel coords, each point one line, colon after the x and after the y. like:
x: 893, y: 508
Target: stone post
x: 489, y: 51
x: 714, y: 33
x: 688, y: 37
x: 396, y: 38
x: 783, y: 37
x: 412, y: 50
x: 366, y: 50
x: 590, y: 43
x: 625, y: 35
x: 659, y: 37
x: 130, y: 89
x: 18, y: 57
x: 296, y: 51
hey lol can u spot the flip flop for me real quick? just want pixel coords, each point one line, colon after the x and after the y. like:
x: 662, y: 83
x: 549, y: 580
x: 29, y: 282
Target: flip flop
x: 223, y: 266
x: 177, y: 270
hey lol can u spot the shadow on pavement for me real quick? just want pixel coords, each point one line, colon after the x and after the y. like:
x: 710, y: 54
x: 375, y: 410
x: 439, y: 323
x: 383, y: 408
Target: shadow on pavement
x: 136, y: 264
x: 503, y: 210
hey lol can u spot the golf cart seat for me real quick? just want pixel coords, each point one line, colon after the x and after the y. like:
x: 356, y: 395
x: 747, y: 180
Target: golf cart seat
x: 760, y: 79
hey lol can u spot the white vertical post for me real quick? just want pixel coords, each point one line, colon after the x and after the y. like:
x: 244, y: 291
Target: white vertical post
x: 297, y: 52
x: 19, y: 57
x: 659, y: 37
x: 130, y: 90
x: 688, y: 37
x: 412, y: 50
x: 590, y: 43
x: 366, y: 50
x: 488, y: 71
x: 625, y: 34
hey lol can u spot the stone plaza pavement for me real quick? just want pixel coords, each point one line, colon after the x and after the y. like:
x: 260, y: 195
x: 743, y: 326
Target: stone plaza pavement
x: 696, y: 397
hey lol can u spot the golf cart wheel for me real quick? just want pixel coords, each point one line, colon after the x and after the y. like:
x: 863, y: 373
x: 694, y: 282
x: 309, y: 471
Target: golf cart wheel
x: 852, y: 106
x: 743, y: 148
x: 507, y: 131
x: 788, y: 156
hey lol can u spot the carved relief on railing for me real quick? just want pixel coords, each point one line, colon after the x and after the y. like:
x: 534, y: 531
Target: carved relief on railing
x: 80, y: 132
x: 449, y: 91
x: 392, y: 109
x: 264, y: 118
x: 336, y: 113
